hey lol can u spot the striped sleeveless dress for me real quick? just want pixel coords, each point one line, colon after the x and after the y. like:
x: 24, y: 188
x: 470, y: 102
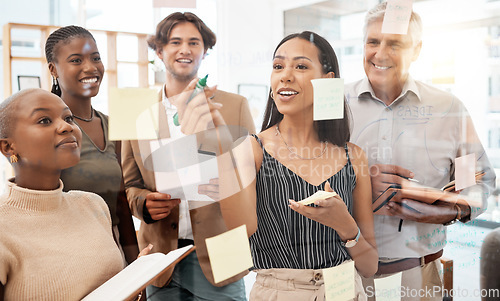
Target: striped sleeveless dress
x: 285, y: 238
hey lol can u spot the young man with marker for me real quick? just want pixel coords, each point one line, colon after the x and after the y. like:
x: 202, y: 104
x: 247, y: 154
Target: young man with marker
x: 181, y: 42
x: 411, y: 130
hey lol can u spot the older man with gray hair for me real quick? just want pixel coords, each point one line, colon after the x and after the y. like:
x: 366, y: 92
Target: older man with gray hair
x: 411, y: 130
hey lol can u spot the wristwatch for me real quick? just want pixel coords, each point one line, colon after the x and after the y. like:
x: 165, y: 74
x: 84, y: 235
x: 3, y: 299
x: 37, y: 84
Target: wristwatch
x: 457, y: 217
x: 351, y: 242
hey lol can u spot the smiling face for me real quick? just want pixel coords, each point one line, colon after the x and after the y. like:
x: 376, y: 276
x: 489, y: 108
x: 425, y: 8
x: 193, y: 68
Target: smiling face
x: 44, y: 137
x: 77, y: 67
x: 387, y: 59
x: 184, y: 51
x: 296, y: 63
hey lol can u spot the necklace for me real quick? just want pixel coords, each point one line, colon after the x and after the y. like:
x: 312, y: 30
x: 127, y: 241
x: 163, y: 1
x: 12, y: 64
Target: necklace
x: 294, y: 153
x: 86, y: 119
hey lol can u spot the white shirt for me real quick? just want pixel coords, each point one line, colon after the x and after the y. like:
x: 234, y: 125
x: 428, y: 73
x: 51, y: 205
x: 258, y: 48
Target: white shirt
x: 185, y: 230
x: 423, y: 130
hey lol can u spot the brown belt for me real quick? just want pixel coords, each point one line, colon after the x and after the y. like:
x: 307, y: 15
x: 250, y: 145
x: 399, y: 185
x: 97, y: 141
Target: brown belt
x: 406, y: 263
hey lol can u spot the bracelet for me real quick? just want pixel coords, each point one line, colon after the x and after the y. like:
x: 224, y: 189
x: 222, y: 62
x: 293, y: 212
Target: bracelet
x: 456, y: 218
x: 351, y: 242
x: 466, y: 214
x: 459, y: 212
x: 139, y: 296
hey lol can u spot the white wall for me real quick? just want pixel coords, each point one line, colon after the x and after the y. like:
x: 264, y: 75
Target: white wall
x: 244, y: 42
x: 31, y: 12
x: 247, y: 33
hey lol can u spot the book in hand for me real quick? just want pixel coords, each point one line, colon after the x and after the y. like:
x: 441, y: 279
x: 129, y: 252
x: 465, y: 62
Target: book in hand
x: 127, y: 284
x: 388, y: 194
x: 417, y: 192
x: 451, y: 186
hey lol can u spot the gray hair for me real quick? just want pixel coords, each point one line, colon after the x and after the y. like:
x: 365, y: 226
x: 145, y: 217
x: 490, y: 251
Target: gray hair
x: 377, y: 13
x: 8, y: 112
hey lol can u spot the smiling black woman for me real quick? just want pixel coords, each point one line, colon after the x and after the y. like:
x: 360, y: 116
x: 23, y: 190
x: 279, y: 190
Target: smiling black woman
x: 54, y: 245
x: 75, y: 64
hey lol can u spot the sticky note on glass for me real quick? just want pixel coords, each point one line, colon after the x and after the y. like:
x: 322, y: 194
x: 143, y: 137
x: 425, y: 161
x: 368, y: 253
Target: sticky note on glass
x: 328, y: 98
x: 339, y: 282
x: 133, y: 113
x: 397, y: 16
x: 229, y: 253
x: 388, y: 288
x: 465, y: 171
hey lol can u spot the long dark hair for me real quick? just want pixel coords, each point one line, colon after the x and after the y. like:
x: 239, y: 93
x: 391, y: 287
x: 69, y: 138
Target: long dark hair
x: 336, y: 131
x: 63, y: 35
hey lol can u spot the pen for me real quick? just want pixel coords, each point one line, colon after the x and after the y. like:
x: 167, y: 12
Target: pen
x: 410, y: 179
x: 200, y: 85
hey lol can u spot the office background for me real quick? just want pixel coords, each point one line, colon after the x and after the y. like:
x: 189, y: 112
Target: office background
x: 460, y: 54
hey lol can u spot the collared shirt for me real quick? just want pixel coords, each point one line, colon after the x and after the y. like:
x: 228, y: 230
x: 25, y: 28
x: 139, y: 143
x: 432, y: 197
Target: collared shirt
x: 185, y: 230
x: 423, y: 130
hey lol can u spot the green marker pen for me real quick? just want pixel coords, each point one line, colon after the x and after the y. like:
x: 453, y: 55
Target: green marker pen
x: 200, y: 85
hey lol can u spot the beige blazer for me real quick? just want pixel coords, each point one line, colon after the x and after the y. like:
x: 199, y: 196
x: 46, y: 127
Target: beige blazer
x: 139, y: 181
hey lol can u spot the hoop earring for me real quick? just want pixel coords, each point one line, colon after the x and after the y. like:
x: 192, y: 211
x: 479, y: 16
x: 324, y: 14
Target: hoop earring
x: 13, y: 158
x: 271, y: 94
x: 55, y: 83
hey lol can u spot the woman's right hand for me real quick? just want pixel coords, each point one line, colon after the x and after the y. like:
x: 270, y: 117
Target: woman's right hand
x: 160, y: 205
x: 145, y: 251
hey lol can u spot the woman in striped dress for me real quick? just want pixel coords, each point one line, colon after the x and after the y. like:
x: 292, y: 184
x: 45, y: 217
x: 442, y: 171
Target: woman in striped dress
x: 295, y: 157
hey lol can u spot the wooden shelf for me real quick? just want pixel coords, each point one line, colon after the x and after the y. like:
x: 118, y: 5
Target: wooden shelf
x: 45, y: 30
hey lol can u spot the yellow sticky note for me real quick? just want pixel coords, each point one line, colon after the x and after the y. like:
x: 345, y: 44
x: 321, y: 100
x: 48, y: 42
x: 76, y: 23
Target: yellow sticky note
x: 339, y: 282
x: 443, y: 68
x: 465, y: 170
x: 133, y: 113
x: 397, y: 16
x: 229, y: 253
x: 388, y: 288
x: 328, y: 98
